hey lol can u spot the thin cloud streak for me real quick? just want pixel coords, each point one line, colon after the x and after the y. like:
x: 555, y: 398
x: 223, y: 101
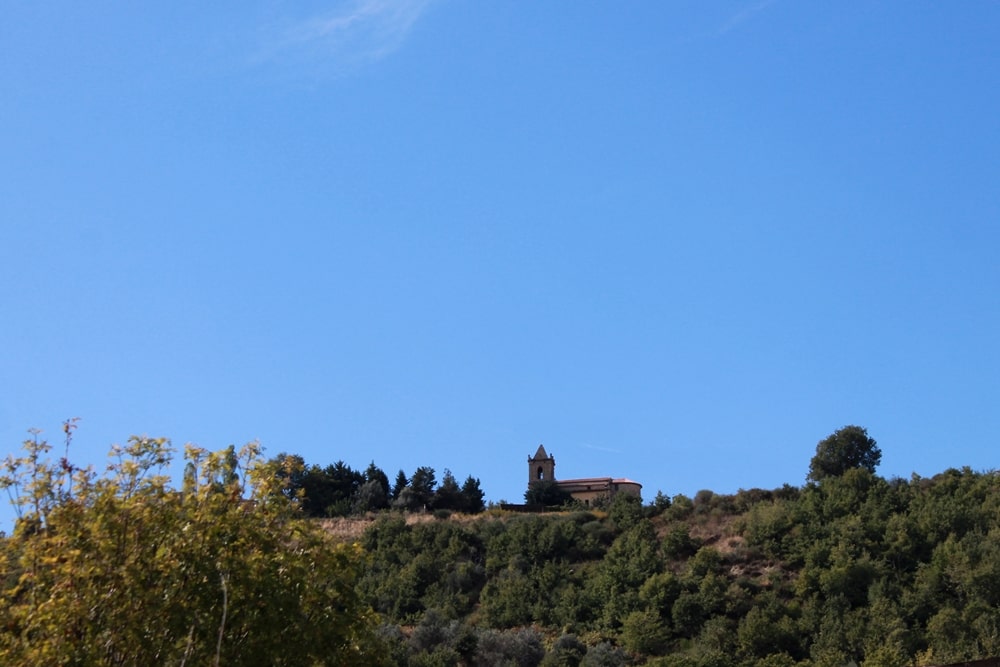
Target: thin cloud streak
x: 356, y: 33
x: 741, y: 17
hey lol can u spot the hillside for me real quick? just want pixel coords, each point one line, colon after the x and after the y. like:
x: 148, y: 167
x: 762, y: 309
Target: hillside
x: 117, y: 566
x: 850, y: 568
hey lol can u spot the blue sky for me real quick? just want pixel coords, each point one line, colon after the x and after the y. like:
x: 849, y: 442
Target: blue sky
x: 675, y: 241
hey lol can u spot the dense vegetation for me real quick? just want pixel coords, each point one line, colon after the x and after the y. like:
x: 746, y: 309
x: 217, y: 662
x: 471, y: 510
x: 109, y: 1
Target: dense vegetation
x: 119, y: 569
x: 339, y: 490
x: 850, y: 567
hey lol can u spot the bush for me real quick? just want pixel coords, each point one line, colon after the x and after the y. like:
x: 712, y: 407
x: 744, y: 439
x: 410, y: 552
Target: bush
x: 223, y: 566
x: 604, y: 655
x: 520, y: 648
x: 678, y: 543
x: 567, y: 651
x: 643, y: 632
x: 680, y: 508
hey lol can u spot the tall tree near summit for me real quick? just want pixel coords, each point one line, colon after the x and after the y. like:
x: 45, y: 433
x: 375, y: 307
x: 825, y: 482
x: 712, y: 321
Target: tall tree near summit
x: 422, y: 483
x: 375, y: 474
x: 473, y: 495
x: 547, y: 493
x: 449, y: 494
x: 401, y: 483
x: 844, y: 449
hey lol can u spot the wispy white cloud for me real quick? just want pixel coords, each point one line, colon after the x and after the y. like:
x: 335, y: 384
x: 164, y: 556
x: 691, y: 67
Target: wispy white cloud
x: 718, y: 27
x: 744, y: 15
x: 352, y: 34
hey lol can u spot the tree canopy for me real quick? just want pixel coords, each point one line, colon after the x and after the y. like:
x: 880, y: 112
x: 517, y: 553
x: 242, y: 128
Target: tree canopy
x: 119, y: 568
x: 340, y: 490
x: 547, y: 493
x: 843, y: 450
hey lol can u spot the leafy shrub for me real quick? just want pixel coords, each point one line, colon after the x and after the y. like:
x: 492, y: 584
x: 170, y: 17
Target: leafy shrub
x: 680, y: 508
x: 123, y: 569
x: 520, y: 648
x: 567, y: 651
x: 678, y: 543
x: 604, y: 655
x: 644, y: 632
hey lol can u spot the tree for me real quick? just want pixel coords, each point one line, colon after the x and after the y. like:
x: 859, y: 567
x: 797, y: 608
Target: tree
x: 604, y: 655
x: 448, y: 495
x: 422, y: 483
x: 547, y: 493
x: 370, y: 496
x: 228, y: 470
x: 631, y: 560
x: 416, y: 495
x: 119, y: 568
x: 401, y: 483
x: 291, y: 473
x: 375, y: 474
x: 625, y: 511
x: 846, y: 448
x: 659, y: 505
x: 373, y: 494
x: 472, y: 495
x: 644, y: 632
x: 567, y: 651
x: 519, y: 648
x: 342, y: 482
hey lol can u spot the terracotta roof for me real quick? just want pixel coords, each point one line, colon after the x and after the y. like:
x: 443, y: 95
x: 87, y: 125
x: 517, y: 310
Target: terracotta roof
x: 599, y: 480
x: 586, y: 480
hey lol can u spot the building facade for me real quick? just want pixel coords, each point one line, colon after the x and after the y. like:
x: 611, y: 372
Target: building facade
x: 542, y: 468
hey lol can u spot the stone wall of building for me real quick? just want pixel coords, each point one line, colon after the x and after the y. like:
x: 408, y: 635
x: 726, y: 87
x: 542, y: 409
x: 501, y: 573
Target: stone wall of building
x: 542, y: 468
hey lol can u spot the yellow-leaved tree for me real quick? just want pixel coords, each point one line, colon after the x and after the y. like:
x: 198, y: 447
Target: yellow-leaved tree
x: 120, y: 568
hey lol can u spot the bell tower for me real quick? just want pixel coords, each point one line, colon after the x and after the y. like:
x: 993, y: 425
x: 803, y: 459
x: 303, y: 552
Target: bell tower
x: 541, y: 467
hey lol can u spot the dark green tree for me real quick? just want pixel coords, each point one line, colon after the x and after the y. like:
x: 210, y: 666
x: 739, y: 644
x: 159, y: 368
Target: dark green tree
x: 448, y: 495
x: 330, y: 491
x: 567, y: 651
x: 373, y: 494
x: 400, y: 484
x: 520, y: 648
x: 660, y: 504
x: 375, y: 474
x: 344, y: 479
x: 644, y: 632
x: 422, y: 483
x: 291, y: 472
x: 229, y: 471
x: 625, y: 511
x: 472, y: 496
x: 547, y: 493
x: 370, y: 496
x: 846, y: 448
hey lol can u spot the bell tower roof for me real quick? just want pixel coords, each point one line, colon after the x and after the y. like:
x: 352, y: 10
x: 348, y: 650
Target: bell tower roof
x: 541, y: 467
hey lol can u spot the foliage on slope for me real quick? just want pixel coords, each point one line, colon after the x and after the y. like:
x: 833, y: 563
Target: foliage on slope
x: 852, y: 567
x: 121, y: 569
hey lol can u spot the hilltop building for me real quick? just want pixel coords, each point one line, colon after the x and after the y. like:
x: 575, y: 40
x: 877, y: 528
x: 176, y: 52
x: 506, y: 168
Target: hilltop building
x: 542, y: 468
